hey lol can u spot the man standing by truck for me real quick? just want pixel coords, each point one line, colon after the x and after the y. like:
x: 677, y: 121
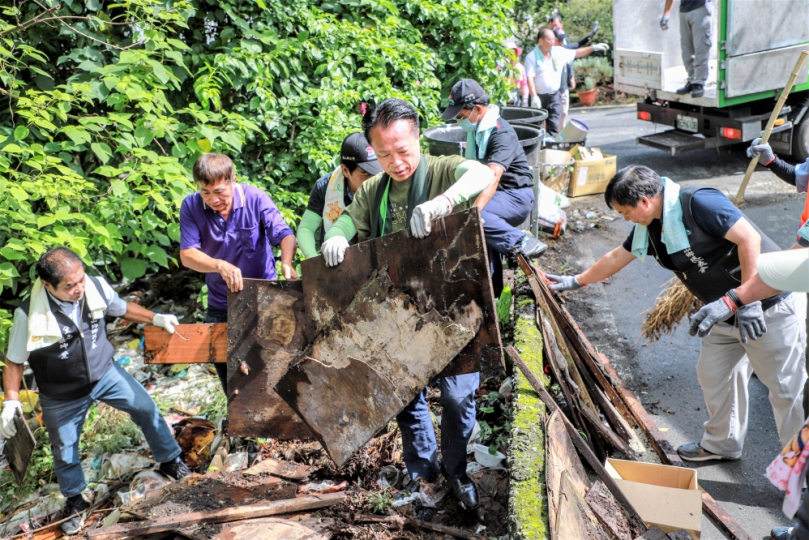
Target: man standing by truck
x: 545, y: 67
x: 695, y: 41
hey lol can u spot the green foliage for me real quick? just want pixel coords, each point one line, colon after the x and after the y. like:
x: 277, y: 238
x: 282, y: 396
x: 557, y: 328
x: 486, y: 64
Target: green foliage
x: 381, y: 501
x: 593, y: 71
x: 106, y: 104
x: 578, y: 17
x: 40, y: 472
x: 108, y: 431
x: 504, y: 306
x: 216, y: 408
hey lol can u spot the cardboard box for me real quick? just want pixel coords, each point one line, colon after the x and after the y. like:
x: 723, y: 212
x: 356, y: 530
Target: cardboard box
x: 592, y: 176
x: 663, y: 495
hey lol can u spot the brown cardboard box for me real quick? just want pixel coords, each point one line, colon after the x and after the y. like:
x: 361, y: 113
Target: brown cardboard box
x: 554, y: 170
x: 592, y: 176
x: 663, y: 495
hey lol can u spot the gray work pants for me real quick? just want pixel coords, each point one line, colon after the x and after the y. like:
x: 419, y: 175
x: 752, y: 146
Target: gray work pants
x: 695, y: 42
x: 726, y: 364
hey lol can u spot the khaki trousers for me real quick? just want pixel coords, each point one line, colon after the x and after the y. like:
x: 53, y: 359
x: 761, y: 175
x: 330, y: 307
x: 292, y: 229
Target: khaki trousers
x: 726, y: 364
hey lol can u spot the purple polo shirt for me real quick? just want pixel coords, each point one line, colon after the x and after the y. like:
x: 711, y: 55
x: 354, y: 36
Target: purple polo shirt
x: 245, y: 240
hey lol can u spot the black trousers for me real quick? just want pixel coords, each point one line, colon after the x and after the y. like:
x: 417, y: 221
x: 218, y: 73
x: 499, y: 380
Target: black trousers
x: 216, y: 315
x: 553, y: 104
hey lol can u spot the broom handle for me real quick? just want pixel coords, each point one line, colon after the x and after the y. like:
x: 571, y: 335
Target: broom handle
x: 739, y: 200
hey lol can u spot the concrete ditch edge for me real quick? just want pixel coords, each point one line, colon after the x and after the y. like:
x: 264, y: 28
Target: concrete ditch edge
x: 528, y: 504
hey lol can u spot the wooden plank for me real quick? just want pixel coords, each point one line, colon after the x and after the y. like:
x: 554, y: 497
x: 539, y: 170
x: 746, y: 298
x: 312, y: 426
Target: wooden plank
x: 655, y: 533
x: 189, y: 344
x: 285, y: 469
x: 286, y: 506
x: 574, y: 519
x: 656, y: 438
x: 398, y: 521
x: 576, y: 337
x: 276, y: 529
x: 561, y: 458
x: 720, y: 515
x: 632, y: 408
x: 369, y: 363
x: 20, y: 448
x: 611, y: 514
x: 267, y: 329
x: 448, y: 268
x: 580, y: 444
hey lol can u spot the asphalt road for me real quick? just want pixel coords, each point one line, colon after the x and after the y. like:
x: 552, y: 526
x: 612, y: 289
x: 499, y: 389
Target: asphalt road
x: 663, y: 374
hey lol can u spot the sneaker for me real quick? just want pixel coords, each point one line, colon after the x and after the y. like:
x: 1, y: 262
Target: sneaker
x: 780, y: 533
x: 685, y: 89
x: 697, y: 90
x: 530, y: 247
x: 76, y: 507
x: 695, y: 452
x: 174, y: 469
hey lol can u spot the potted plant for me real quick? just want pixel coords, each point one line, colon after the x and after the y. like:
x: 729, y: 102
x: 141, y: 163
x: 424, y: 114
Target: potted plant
x: 587, y: 97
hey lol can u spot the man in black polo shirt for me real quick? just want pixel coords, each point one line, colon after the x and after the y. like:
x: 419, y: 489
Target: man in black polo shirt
x: 698, y: 234
x: 508, y: 201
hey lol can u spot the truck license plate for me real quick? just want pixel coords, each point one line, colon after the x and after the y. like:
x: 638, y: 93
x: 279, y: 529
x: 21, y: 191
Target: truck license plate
x: 688, y: 123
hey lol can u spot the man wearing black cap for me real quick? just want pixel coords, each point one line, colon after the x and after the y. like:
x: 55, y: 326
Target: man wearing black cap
x: 334, y: 191
x: 506, y: 203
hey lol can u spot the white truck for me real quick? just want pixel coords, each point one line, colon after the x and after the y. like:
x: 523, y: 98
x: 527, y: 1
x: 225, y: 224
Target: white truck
x: 756, y: 44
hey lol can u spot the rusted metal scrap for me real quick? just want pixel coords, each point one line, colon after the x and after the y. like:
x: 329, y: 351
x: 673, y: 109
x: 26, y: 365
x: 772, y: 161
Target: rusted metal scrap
x: 446, y: 271
x: 369, y: 362
x: 267, y: 329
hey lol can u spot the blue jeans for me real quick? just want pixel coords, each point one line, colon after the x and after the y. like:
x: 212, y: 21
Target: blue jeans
x: 457, y: 422
x: 504, y: 212
x: 64, y: 419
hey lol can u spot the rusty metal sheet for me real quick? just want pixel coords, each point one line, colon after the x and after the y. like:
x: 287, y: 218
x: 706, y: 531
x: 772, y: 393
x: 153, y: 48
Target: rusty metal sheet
x: 446, y: 270
x: 267, y: 329
x: 369, y: 362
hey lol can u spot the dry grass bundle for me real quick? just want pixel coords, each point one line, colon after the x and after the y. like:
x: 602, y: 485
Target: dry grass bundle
x: 671, y: 305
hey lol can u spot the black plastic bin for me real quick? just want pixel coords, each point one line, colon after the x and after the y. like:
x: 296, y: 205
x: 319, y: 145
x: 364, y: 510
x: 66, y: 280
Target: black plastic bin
x: 450, y: 140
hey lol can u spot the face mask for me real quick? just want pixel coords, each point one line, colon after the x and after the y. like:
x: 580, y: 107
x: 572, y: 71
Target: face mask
x: 467, y: 125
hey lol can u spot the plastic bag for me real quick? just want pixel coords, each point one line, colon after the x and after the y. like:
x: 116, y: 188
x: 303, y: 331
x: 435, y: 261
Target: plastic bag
x: 550, y: 216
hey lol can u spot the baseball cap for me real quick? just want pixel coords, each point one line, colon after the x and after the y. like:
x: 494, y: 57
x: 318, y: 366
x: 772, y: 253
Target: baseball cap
x: 356, y: 149
x: 465, y: 91
x: 785, y: 270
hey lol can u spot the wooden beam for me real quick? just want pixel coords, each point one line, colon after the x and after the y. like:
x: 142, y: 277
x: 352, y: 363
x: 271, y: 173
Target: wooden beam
x: 189, y: 344
x: 715, y: 510
x: 580, y: 443
x: 286, y: 506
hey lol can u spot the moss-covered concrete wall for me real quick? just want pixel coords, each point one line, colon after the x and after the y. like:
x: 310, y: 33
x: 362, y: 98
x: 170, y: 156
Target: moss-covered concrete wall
x: 528, y: 509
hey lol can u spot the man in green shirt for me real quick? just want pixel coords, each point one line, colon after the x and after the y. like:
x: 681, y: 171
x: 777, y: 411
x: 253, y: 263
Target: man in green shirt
x: 416, y: 189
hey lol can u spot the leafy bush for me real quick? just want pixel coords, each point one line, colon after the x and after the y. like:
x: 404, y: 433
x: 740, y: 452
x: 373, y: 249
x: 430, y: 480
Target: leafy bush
x: 578, y: 17
x: 593, y: 71
x: 107, y: 104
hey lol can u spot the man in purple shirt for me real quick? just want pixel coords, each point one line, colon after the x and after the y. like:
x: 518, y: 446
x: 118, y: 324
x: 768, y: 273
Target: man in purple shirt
x: 227, y: 231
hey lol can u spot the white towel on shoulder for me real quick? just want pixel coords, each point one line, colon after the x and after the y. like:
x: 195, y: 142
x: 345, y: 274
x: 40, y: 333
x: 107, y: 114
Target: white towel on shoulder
x: 43, y: 328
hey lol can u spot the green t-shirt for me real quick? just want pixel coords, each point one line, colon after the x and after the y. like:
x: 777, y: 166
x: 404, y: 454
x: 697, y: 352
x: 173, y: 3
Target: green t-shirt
x: 440, y: 176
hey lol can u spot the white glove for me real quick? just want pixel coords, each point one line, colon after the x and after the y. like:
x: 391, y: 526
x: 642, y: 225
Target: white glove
x: 601, y: 47
x: 334, y: 250
x: 7, y: 427
x: 428, y: 211
x: 165, y: 321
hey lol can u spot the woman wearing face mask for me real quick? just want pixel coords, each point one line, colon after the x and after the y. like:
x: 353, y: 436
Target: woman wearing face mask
x: 508, y: 201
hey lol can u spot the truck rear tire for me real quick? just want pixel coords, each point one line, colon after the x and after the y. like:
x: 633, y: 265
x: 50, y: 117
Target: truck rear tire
x: 800, y: 140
